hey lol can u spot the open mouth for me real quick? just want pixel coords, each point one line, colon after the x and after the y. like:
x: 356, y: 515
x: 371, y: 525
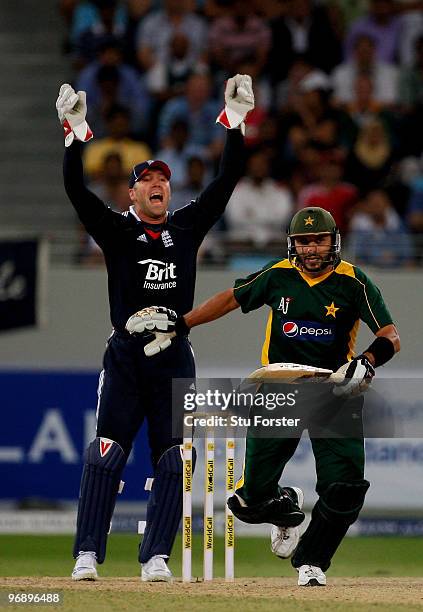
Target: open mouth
x: 156, y: 197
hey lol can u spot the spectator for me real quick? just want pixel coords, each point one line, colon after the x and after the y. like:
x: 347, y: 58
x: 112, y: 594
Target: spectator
x: 414, y: 213
x: 100, y: 18
x: 288, y: 92
x: 137, y: 10
x: 304, y: 29
x: 329, y: 191
x: 111, y: 185
x: 118, y: 140
x: 176, y: 153
x: 195, y: 180
x: 411, y: 81
x: 156, y: 31
x: 239, y: 36
x: 313, y: 121
x: 371, y: 158
x: 363, y: 105
x: 380, y: 24
x: 108, y: 81
x: 259, y: 208
x: 383, y: 76
x: 199, y: 111
x: 378, y: 236
x: 167, y: 78
x: 411, y: 29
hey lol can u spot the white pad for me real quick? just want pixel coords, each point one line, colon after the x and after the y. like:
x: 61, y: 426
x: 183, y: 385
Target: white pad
x: 148, y: 484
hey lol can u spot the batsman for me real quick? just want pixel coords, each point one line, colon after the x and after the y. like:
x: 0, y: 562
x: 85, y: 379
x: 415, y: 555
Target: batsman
x: 316, y: 301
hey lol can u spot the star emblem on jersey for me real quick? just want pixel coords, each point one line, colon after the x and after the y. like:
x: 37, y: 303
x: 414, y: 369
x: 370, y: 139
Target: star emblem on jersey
x: 331, y: 310
x: 309, y: 221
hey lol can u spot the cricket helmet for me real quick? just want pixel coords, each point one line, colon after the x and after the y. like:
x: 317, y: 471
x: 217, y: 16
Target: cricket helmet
x: 316, y: 221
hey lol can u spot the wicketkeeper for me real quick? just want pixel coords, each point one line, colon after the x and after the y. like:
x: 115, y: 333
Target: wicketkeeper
x: 150, y: 257
x: 316, y: 301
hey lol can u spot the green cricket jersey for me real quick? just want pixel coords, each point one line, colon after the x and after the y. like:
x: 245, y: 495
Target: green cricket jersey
x: 313, y: 321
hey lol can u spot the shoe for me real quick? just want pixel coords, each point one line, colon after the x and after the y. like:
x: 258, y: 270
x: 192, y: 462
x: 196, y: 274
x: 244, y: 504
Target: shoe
x: 85, y: 566
x: 156, y: 570
x: 310, y: 575
x: 284, y: 540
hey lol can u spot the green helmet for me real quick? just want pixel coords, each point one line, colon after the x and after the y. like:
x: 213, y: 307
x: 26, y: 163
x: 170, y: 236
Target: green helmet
x: 314, y: 220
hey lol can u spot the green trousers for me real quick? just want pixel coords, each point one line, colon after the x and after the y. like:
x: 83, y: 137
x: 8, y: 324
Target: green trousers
x: 338, y: 459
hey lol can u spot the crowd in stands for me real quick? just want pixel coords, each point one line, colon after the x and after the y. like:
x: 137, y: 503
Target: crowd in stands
x: 338, y: 121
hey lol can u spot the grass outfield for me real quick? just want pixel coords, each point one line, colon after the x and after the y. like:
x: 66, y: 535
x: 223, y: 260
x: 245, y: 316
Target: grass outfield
x: 383, y: 574
x: 51, y: 556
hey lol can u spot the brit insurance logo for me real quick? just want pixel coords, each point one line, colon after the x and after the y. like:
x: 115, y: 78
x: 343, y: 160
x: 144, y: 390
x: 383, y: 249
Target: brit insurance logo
x: 308, y: 330
x: 159, y: 274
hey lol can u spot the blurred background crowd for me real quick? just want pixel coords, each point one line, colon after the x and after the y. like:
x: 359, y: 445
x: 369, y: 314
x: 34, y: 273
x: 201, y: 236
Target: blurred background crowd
x: 338, y: 121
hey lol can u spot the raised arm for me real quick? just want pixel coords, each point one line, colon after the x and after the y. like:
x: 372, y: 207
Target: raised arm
x: 72, y: 110
x: 239, y: 101
x: 89, y: 207
x: 216, y: 195
x: 211, y: 203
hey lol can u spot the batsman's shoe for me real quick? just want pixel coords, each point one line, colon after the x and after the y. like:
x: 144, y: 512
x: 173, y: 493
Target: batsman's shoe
x: 284, y: 540
x: 156, y: 570
x: 310, y: 575
x: 85, y: 567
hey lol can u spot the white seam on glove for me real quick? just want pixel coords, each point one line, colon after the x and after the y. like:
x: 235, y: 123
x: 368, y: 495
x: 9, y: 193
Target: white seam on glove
x: 239, y: 101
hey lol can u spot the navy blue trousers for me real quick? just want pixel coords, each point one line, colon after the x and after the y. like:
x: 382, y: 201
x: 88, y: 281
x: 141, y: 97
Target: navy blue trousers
x: 134, y: 387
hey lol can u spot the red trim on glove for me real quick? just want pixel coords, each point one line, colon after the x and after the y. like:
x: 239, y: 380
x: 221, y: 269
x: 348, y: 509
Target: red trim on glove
x: 223, y: 119
x: 67, y: 128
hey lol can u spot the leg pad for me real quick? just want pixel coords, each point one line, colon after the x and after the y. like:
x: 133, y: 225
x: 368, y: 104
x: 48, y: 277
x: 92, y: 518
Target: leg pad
x: 164, y: 509
x: 337, y: 509
x: 100, y: 483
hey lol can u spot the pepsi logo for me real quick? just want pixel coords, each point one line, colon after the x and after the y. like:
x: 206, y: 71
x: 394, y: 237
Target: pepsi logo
x: 290, y: 329
x: 310, y: 331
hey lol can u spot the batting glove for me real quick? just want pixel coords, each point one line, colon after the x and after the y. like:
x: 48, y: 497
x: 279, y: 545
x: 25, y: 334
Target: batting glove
x: 354, y: 377
x: 239, y: 101
x: 72, y: 110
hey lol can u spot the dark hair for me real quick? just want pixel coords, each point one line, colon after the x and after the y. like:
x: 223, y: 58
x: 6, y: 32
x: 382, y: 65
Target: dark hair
x: 107, y: 73
x: 364, y: 36
x: 116, y: 109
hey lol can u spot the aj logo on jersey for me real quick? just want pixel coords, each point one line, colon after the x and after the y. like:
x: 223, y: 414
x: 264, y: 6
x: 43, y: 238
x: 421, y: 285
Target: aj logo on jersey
x: 284, y: 304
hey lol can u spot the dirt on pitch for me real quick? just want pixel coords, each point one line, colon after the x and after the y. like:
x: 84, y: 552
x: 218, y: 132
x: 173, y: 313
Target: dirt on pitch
x: 407, y: 592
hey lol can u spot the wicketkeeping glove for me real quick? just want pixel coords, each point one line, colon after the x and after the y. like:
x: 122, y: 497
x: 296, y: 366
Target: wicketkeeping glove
x: 72, y: 110
x: 153, y: 318
x: 162, y: 322
x: 239, y: 101
x: 354, y: 377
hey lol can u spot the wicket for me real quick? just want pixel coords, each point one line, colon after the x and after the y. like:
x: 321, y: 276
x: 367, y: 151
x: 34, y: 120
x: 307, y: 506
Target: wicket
x: 208, y: 529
